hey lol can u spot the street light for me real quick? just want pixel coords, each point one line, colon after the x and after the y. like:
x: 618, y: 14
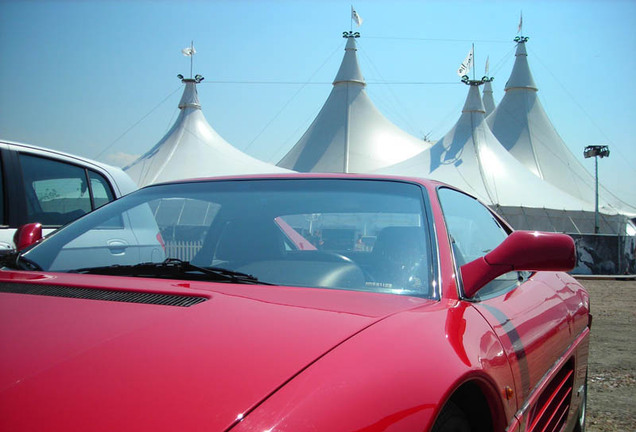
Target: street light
x: 596, y: 151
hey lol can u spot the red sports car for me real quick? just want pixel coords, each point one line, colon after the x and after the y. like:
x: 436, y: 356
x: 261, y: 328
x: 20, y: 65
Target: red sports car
x: 292, y: 303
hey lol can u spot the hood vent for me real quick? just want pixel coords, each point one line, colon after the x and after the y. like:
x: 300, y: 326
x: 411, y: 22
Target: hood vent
x: 101, y: 294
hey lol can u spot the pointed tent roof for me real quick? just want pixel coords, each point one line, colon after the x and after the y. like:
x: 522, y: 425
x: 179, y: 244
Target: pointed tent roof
x: 470, y: 157
x: 488, y: 99
x: 192, y: 148
x: 349, y: 134
x: 521, y: 125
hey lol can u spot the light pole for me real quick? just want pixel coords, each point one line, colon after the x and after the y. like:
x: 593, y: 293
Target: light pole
x: 596, y: 151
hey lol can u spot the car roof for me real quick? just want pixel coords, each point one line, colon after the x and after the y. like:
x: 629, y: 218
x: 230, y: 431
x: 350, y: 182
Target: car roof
x: 291, y: 176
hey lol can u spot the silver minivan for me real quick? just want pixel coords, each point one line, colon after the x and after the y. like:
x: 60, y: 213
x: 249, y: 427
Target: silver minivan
x: 54, y: 188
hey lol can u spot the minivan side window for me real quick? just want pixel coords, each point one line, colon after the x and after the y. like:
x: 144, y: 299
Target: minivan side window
x: 58, y: 192
x: 100, y: 189
x: 474, y: 231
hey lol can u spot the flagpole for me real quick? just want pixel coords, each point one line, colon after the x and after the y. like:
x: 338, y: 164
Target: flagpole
x: 191, y: 57
x: 474, y: 62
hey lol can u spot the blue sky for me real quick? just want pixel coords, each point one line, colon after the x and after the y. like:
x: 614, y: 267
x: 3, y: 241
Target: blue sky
x: 99, y: 78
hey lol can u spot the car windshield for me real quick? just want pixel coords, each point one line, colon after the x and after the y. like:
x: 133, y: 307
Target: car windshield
x: 355, y: 234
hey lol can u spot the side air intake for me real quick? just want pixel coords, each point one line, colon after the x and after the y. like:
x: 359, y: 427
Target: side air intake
x: 101, y: 294
x: 550, y: 412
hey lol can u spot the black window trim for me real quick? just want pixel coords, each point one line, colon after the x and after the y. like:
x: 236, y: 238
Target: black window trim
x: 14, y: 189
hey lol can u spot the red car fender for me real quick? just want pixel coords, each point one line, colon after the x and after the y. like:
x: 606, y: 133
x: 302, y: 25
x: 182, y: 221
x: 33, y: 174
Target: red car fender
x: 535, y: 342
x: 373, y: 382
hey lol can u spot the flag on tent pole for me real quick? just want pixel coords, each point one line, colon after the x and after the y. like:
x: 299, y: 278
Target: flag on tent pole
x: 355, y: 17
x: 189, y: 51
x: 520, y: 22
x: 487, y: 64
x: 467, y: 64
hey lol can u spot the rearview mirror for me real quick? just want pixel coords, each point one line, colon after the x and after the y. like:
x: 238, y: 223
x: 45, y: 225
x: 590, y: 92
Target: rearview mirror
x: 521, y: 250
x: 26, y: 235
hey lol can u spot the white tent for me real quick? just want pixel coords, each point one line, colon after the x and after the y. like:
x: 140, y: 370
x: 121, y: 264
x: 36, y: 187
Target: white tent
x: 349, y: 134
x: 521, y: 125
x: 489, y: 100
x: 192, y: 148
x: 470, y: 157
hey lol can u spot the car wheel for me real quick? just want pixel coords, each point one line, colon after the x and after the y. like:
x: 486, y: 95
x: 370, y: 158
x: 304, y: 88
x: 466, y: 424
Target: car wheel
x: 580, y: 423
x: 451, y: 419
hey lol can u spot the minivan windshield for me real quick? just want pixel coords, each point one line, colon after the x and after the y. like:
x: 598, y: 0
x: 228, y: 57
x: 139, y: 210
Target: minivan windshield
x: 356, y: 234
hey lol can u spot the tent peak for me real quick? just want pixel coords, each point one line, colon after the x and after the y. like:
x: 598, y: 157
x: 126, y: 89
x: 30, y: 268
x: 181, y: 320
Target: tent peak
x: 349, y: 71
x: 350, y: 134
x: 192, y: 148
x: 521, y: 77
x: 522, y: 126
x: 488, y: 98
x: 190, y: 98
x: 473, y: 100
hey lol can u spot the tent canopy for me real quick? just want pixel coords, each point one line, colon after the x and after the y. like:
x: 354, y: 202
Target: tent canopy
x: 521, y: 125
x: 192, y: 148
x: 470, y: 157
x: 349, y: 134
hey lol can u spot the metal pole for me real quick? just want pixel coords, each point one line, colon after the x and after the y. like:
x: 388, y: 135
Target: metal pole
x: 596, y: 228
x: 191, y: 57
x: 596, y: 151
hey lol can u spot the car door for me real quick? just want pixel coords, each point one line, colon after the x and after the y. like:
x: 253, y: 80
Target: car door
x: 527, y: 311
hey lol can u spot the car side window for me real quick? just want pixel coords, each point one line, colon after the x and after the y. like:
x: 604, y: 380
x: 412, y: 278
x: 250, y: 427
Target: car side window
x: 474, y: 231
x: 56, y: 192
x: 102, y: 193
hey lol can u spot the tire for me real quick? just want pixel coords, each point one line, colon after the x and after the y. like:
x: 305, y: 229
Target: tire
x: 451, y: 419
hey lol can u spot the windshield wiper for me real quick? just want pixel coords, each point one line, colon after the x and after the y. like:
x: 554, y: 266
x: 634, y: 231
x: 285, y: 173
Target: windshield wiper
x: 173, y: 268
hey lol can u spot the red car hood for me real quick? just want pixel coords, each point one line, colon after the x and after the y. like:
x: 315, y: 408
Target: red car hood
x: 80, y: 364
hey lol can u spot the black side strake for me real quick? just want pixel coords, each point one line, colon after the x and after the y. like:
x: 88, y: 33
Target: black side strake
x: 101, y: 294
